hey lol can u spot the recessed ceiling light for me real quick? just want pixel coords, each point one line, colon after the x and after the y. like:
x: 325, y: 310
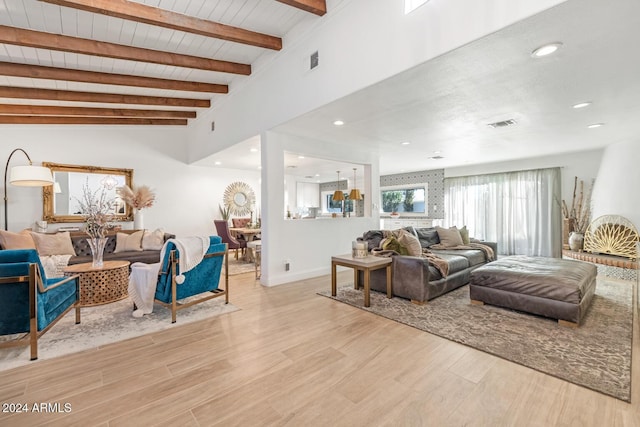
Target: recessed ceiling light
x: 406, y: 143
x: 254, y: 150
x: 338, y: 123
x: 595, y: 125
x: 217, y: 163
x: 437, y: 152
x: 582, y: 104
x: 317, y: 174
x: 301, y: 157
x: 545, y: 50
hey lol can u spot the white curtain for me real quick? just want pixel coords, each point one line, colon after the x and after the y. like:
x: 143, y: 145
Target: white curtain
x: 518, y: 210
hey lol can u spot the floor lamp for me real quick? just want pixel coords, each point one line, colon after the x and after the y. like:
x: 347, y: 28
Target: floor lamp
x: 24, y: 176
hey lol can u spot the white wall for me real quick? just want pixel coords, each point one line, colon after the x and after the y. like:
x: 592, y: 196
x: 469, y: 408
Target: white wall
x: 360, y: 42
x: 187, y: 196
x: 617, y: 187
x: 583, y: 164
x: 307, y: 244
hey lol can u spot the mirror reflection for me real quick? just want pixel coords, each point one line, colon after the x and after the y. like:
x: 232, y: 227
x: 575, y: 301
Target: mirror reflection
x: 61, y: 200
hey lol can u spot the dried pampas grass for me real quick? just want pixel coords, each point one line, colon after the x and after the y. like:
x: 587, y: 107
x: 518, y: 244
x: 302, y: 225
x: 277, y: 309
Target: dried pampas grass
x: 138, y: 197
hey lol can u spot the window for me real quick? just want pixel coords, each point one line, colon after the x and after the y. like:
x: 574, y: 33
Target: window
x: 410, y: 199
x: 336, y: 206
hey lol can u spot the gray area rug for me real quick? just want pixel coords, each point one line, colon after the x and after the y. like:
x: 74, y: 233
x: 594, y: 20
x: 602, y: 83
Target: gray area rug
x: 105, y: 324
x: 239, y: 266
x: 597, y: 355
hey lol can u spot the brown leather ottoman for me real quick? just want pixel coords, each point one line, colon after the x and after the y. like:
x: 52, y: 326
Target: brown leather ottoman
x: 551, y: 287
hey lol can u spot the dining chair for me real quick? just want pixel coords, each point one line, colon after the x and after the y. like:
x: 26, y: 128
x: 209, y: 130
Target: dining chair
x: 222, y: 227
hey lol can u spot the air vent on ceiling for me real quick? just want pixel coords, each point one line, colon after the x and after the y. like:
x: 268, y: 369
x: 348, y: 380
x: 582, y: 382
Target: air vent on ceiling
x: 314, y: 60
x: 435, y: 157
x: 503, y: 123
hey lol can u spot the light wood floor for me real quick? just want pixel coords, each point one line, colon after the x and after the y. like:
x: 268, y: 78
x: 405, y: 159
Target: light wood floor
x: 292, y: 358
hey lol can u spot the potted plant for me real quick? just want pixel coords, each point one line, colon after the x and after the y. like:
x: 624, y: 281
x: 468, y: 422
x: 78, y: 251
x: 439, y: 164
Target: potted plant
x: 225, y: 212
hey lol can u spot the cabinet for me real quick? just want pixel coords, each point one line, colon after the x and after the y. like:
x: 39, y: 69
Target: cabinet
x: 395, y: 223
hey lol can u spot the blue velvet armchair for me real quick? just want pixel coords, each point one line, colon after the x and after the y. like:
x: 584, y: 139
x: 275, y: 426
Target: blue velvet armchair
x: 30, y: 303
x: 202, y: 279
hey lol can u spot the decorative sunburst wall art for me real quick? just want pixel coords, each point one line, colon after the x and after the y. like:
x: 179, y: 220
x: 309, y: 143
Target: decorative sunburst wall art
x: 613, y: 235
x: 240, y: 198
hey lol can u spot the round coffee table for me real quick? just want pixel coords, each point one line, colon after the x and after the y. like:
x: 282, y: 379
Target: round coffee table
x: 101, y: 285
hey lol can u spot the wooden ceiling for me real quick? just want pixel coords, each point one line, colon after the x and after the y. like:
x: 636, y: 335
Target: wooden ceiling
x: 94, y: 61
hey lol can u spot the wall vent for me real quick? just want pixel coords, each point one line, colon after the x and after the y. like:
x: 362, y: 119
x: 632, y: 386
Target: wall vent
x: 314, y: 60
x: 503, y: 124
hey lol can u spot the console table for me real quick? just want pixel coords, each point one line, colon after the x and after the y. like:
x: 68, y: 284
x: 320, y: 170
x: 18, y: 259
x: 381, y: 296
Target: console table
x: 366, y: 265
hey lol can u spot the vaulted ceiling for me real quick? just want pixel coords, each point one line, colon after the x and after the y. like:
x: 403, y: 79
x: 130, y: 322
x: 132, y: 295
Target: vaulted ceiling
x: 133, y: 62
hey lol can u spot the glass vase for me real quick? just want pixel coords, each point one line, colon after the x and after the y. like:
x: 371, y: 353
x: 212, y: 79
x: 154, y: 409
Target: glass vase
x: 97, y: 245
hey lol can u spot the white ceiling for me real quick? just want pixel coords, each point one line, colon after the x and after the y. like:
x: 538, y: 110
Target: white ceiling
x: 443, y: 107
x: 264, y: 16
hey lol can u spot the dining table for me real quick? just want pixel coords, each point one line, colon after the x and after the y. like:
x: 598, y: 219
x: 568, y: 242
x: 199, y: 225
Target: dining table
x: 249, y: 234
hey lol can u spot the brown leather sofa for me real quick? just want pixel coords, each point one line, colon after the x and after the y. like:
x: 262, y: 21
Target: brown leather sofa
x: 415, y: 279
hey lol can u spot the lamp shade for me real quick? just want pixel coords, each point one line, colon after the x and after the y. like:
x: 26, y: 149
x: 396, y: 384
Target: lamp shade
x: 355, y: 194
x: 338, y: 196
x: 31, y: 176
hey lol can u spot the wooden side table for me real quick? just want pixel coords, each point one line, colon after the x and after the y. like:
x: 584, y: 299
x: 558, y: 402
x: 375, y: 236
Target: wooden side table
x: 366, y: 265
x: 101, y: 285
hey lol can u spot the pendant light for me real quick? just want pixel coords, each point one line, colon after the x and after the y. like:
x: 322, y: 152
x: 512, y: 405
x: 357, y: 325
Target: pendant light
x: 338, y: 195
x: 355, y: 193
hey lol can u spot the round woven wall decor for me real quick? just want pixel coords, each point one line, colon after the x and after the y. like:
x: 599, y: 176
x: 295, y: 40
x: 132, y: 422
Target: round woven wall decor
x: 240, y: 198
x: 613, y: 235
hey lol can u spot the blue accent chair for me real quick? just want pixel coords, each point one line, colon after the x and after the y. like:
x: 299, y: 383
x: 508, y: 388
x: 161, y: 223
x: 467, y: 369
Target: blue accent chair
x: 30, y: 303
x: 202, y: 279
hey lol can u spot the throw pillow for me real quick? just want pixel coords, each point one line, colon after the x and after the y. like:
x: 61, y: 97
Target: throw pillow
x: 53, y: 244
x: 21, y: 240
x: 410, y: 243
x: 129, y: 242
x: 153, y: 240
x: 392, y: 244
x: 464, y: 233
x: 427, y: 236
x: 449, y: 237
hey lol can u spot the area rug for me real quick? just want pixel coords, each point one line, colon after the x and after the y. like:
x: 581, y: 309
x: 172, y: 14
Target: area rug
x: 597, y: 355
x: 240, y: 266
x: 106, y: 324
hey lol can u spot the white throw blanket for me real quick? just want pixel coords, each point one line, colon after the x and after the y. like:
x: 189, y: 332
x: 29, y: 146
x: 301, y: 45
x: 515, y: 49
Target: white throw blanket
x: 144, y: 277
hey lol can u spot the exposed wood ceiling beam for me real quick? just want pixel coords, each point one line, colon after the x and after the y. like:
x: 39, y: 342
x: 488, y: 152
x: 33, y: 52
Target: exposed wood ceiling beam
x: 319, y: 7
x: 38, y: 39
x: 53, y: 120
x: 52, y: 73
x: 48, y: 110
x: 151, y: 15
x: 107, y: 98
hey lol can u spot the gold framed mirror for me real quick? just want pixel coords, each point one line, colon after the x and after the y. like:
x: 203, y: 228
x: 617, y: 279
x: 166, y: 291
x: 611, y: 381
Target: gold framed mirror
x: 60, y: 200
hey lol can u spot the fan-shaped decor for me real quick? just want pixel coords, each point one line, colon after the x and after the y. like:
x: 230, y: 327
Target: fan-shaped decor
x: 240, y: 198
x: 613, y: 235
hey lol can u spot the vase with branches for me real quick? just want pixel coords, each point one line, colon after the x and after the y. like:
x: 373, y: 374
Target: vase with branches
x: 579, y: 215
x: 97, y: 208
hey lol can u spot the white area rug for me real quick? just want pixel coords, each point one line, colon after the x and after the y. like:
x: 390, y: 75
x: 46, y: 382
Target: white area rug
x: 106, y: 324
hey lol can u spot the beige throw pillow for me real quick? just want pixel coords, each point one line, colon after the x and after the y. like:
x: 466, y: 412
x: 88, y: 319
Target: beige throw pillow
x: 53, y: 244
x: 410, y: 243
x: 129, y: 242
x: 464, y: 233
x: 449, y: 237
x: 153, y: 240
x: 21, y: 240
